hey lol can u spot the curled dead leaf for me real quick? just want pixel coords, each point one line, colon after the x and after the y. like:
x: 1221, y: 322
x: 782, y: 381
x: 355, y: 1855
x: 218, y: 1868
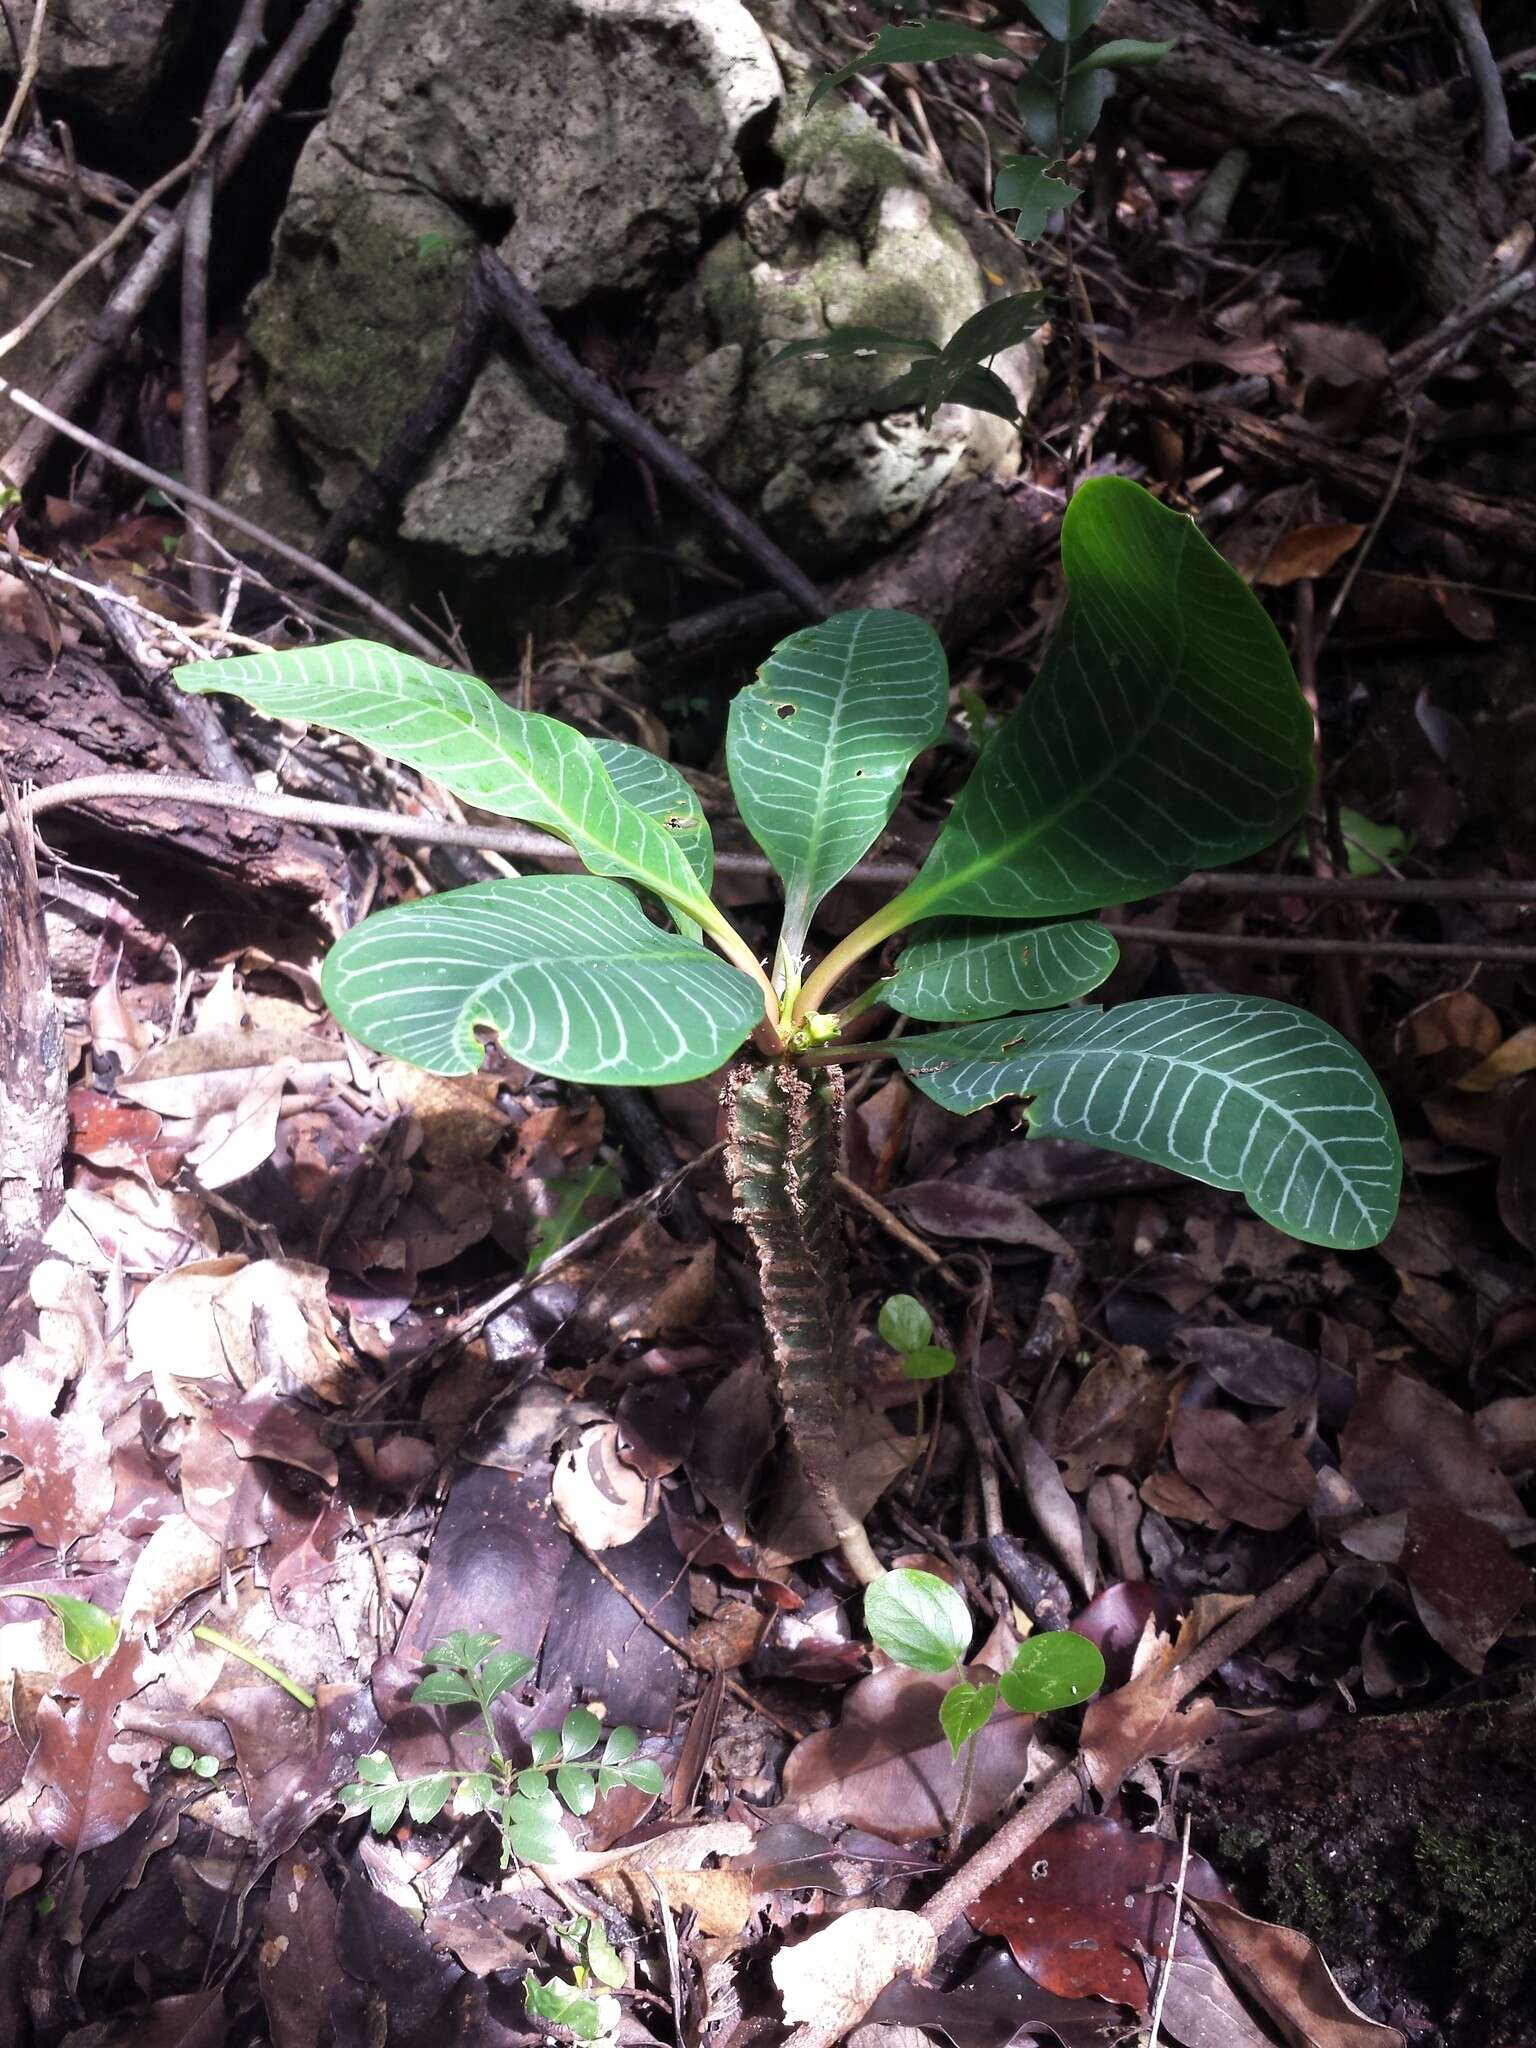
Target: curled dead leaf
x: 832, y: 1979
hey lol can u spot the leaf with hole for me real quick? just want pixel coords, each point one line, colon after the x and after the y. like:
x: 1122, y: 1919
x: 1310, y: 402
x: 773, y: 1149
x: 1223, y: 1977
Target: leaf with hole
x: 819, y: 745
x: 457, y: 731
x: 1236, y: 1091
x: 1030, y: 187
x: 962, y: 972
x: 918, y: 42
x: 964, y: 1711
x: 568, y: 972
x: 904, y: 1323
x: 918, y: 1620
x: 1165, y: 732
x: 1052, y: 1671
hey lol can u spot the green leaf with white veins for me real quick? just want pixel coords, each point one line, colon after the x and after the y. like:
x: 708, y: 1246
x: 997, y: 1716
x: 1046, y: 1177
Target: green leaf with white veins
x: 452, y: 728
x: 573, y: 978
x: 972, y: 970
x: 819, y: 746
x: 655, y: 787
x: 1165, y: 732
x: 1236, y: 1091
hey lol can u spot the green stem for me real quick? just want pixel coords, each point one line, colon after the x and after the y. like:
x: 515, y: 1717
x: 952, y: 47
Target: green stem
x: 850, y: 1055
x: 892, y: 917
x: 257, y: 1662
x: 737, y: 951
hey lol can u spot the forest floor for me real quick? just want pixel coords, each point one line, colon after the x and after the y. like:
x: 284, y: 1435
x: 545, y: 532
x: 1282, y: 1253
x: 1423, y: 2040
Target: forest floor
x: 334, y: 1358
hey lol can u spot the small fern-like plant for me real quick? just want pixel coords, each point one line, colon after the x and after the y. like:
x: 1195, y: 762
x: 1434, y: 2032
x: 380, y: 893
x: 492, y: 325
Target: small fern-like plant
x: 1164, y: 732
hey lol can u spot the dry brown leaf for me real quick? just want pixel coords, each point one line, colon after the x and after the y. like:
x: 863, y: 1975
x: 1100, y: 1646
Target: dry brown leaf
x: 236, y: 1141
x: 602, y: 1500
x: 1143, y: 1718
x: 179, y: 1559
x: 131, y: 1226
x: 54, y: 1402
x: 1256, y: 1473
x: 1118, y: 1416
x: 832, y: 1979
x: 459, y: 1119
x: 796, y: 1526
x: 1305, y: 552
x: 1052, y: 1506
x: 1466, y: 1582
x: 172, y: 1334
x: 1406, y: 1446
x: 1508, y: 1427
x: 1285, y: 1972
x: 213, y: 1070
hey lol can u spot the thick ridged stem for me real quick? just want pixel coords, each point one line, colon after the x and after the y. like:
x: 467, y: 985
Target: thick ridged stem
x: 784, y: 1131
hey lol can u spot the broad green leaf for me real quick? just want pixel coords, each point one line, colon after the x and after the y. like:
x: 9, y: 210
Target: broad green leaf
x: 1060, y: 126
x: 500, y: 1673
x: 455, y: 730
x: 621, y: 1745
x: 644, y: 1773
x: 205, y: 1767
x: 853, y: 344
x: 463, y: 1649
x: 475, y: 1793
x: 928, y: 1362
x: 182, y: 1757
x: 1165, y: 732
x: 1122, y: 55
x: 919, y: 42
x: 657, y: 788
x: 569, y: 973
x: 376, y: 1768
x: 544, y: 1746
x: 964, y: 1711
x: 534, y: 1786
x: 572, y: 1192
x: 601, y: 1957
x: 577, y: 1788
x: 426, y: 1797
x: 1065, y: 20
x: 1369, y: 846
x: 970, y: 971
x: 444, y: 1689
x: 1030, y: 186
x: 562, y: 2005
x: 579, y: 1731
x: 89, y: 1631
x: 1236, y: 1091
x: 918, y: 1620
x: 904, y: 1323
x: 820, y: 744
x: 1051, y: 1672
x: 534, y: 1831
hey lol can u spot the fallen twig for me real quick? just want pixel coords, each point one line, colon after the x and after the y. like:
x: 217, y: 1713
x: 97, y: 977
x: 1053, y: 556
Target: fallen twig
x: 196, y: 453
x: 1498, y: 136
x: 31, y: 59
x: 516, y: 305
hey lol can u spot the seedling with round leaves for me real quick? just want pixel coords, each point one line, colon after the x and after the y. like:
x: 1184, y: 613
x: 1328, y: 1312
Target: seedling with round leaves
x: 921, y: 1621
x: 1165, y: 732
x: 468, y: 1669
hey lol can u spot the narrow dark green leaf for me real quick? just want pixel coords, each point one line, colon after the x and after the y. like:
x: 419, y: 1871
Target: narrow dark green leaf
x: 964, y: 1711
x: 566, y: 970
x: 853, y: 344
x: 918, y: 1620
x: 1060, y: 127
x: 1165, y: 732
x: 967, y: 970
x: 1122, y: 55
x: 1051, y: 1672
x: 919, y: 42
x: 1236, y: 1091
x: 928, y: 385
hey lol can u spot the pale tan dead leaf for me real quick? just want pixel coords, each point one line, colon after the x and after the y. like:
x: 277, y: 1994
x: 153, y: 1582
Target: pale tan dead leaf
x: 208, y: 1071
x: 116, y: 1025
x: 130, y: 1226
x: 1516, y: 1056
x: 832, y: 1979
x: 720, y: 1899
x: 235, y: 1141
x: 274, y: 1316
x: 459, y: 1119
x: 685, y: 1848
x: 600, y: 1499
x: 55, y: 1398
x: 179, y: 1559
x: 172, y: 1333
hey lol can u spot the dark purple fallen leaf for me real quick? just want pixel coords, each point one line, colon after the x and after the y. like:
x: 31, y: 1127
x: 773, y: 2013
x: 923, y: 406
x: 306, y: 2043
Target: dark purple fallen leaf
x: 291, y: 1760
x: 1251, y: 1364
x: 390, y: 1967
x: 656, y: 1425
x: 83, y: 1792
x: 1116, y: 1620
x: 1407, y: 1446
x: 197, y: 2019
x: 494, y: 1563
x: 1466, y: 1582
x: 732, y: 1442
x: 1255, y: 1473
x: 298, y: 1959
x: 599, y: 1646
x: 959, y: 1208
x: 994, y: 2005
x: 261, y: 1424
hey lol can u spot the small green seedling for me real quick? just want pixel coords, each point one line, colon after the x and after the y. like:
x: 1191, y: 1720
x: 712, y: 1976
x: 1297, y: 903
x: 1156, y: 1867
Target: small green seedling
x: 1165, y: 732
x: 467, y: 1669
x: 919, y: 1620
x: 908, y: 1328
x: 185, y: 1758
x: 575, y: 2002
